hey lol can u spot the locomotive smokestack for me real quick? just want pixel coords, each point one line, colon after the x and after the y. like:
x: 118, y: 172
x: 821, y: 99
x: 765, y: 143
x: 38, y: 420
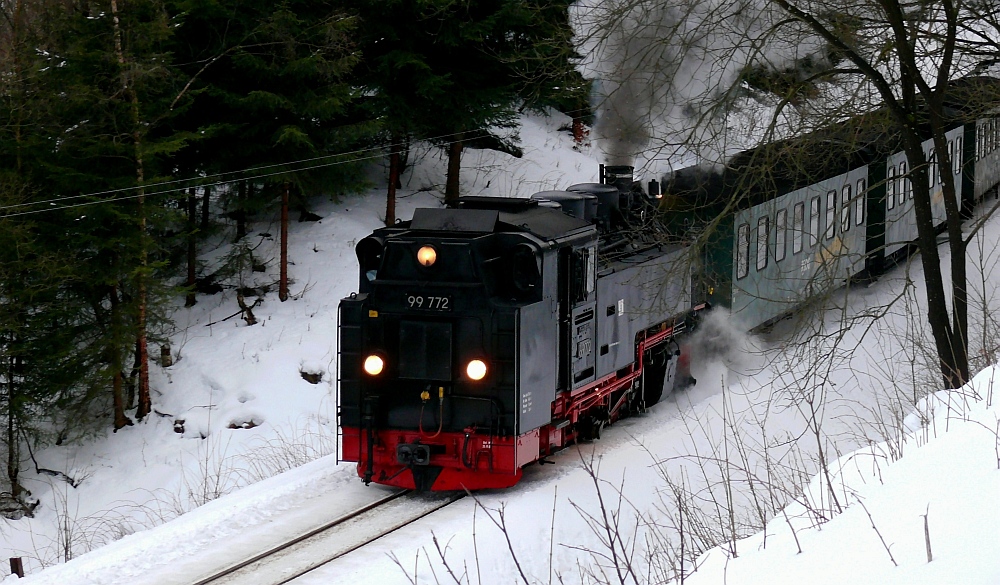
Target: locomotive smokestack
x: 620, y: 176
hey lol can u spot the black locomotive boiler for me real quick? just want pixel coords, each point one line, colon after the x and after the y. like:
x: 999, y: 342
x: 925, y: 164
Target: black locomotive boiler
x: 488, y: 335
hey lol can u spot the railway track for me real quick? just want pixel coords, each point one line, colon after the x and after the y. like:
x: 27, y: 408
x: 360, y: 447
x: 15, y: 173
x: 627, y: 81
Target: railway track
x: 286, y: 562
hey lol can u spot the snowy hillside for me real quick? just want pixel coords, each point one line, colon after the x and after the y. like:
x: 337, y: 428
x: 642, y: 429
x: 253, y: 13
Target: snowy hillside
x: 950, y: 476
x: 242, y: 449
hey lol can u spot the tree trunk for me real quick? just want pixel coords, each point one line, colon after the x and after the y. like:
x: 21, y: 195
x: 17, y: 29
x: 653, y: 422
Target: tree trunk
x: 960, y: 309
x: 948, y: 347
x: 240, y: 211
x: 959, y: 359
x: 192, y: 251
x: 451, y: 190
x: 18, y: 79
x: 13, y: 453
x: 145, y: 402
x: 390, y: 196
x: 142, y: 355
x: 205, y: 199
x: 115, y: 359
x: 283, y: 279
x: 117, y: 391
x: 132, y: 378
x: 579, y: 132
x: 17, y: 97
x: 404, y: 158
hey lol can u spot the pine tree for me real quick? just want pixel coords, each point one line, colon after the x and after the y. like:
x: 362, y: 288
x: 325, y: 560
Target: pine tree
x: 269, y: 86
x: 451, y: 70
x: 46, y: 357
x: 115, y: 84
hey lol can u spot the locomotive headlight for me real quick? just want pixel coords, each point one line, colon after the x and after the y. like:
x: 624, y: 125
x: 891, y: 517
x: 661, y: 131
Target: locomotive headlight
x: 427, y: 255
x: 374, y: 365
x: 476, y: 369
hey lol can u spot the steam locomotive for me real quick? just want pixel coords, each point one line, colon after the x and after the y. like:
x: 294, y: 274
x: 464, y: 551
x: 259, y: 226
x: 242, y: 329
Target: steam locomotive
x: 489, y: 335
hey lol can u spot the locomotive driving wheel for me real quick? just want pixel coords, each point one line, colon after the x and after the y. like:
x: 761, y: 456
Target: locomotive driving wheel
x: 654, y: 375
x: 589, y: 427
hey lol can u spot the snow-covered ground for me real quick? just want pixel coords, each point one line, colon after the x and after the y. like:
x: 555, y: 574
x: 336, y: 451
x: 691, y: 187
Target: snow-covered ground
x: 766, y: 415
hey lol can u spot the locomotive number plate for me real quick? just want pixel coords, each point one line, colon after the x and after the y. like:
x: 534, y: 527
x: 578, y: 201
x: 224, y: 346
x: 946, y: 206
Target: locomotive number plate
x: 433, y: 303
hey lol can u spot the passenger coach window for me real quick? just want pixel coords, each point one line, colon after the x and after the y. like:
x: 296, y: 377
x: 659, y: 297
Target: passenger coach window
x: 905, y: 188
x: 957, y: 160
x: 814, y: 221
x: 743, y: 251
x: 831, y: 214
x: 762, y: 243
x: 845, y: 209
x: 951, y: 152
x: 798, y: 221
x: 932, y: 169
x: 780, y: 219
x: 890, y: 189
x: 859, y: 203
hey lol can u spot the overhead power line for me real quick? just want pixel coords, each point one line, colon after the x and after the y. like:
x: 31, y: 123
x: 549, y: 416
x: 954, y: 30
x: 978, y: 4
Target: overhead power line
x: 181, y: 185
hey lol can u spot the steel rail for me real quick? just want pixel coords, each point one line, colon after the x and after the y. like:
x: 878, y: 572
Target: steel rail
x: 313, y: 564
